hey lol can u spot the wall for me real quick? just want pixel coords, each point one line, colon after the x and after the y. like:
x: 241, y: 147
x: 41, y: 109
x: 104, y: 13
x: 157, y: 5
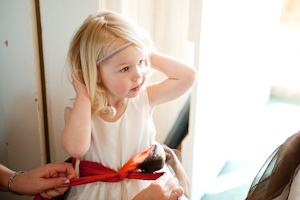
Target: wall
x: 57, y: 34
x: 22, y: 139
x: 18, y: 85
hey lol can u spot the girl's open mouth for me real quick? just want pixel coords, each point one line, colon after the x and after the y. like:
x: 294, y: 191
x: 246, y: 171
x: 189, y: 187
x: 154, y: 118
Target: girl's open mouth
x: 136, y: 88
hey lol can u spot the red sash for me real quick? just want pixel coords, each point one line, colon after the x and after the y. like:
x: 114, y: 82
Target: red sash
x: 91, y: 172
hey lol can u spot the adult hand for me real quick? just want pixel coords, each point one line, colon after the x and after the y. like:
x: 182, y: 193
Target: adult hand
x: 164, y: 188
x: 45, y: 180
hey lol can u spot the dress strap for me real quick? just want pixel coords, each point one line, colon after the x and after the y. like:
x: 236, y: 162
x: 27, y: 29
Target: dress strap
x: 75, y: 163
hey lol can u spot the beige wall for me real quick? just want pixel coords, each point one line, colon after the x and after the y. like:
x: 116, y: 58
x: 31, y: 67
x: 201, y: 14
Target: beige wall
x: 60, y: 19
x: 21, y: 129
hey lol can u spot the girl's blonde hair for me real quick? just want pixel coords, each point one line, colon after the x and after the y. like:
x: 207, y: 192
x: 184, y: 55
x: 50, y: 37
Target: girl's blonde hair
x: 97, y: 37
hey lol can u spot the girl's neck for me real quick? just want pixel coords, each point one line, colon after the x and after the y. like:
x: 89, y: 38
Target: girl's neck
x: 120, y: 107
x: 117, y: 102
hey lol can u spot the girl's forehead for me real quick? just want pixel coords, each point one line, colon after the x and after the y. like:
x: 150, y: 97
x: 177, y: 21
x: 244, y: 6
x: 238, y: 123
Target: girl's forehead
x: 127, y: 54
x: 115, y: 45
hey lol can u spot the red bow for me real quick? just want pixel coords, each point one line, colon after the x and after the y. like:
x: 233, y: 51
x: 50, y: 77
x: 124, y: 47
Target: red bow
x: 93, y: 172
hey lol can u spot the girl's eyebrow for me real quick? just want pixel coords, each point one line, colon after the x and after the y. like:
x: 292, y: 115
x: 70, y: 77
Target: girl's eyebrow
x: 127, y: 62
x: 121, y: 64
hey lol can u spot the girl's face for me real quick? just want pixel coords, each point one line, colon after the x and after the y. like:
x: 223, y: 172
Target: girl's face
x: 123, y: 74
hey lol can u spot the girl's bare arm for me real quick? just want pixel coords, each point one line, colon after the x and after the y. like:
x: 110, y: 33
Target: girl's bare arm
x: 76, y: 135
x: 181, y: 78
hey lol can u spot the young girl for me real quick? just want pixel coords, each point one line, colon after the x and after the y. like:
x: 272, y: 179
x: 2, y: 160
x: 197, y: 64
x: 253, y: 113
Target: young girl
x: 110, y: 120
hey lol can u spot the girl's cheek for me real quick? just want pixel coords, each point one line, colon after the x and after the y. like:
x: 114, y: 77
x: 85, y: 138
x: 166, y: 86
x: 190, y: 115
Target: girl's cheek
x: 145, y: 70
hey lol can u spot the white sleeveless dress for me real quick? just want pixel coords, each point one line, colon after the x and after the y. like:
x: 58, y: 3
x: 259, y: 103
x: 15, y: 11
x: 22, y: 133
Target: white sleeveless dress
x: 113, y: 144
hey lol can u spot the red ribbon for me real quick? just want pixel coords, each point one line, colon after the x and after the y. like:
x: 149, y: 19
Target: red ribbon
x: 91, y: 172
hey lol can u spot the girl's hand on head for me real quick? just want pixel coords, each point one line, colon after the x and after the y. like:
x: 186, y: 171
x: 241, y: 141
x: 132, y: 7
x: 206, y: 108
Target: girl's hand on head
x: 80, y: 89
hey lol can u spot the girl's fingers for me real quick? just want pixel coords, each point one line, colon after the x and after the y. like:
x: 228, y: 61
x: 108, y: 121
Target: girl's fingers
x: 79, y: 87
x: 77, y: 71
x: 75, y: 77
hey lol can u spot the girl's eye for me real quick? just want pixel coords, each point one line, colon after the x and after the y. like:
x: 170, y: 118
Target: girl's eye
x: 124, y: 69
x: 141, y: 62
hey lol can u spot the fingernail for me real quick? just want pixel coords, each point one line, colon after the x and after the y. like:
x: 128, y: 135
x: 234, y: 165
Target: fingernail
x: 66, y: 182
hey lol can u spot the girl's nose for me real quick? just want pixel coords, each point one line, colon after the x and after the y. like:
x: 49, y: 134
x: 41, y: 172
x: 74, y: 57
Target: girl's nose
x: 138, y: 75
x: 139, y: 81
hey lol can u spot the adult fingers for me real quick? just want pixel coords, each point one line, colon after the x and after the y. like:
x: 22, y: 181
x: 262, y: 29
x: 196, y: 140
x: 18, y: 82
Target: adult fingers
x: 53, y: 192
x: 61, y: 190
x: 176, y: 193
x: 56, y: 182
x: 171, y: 185
x: 163, y: 180
x: 63, y: 168
x: 49, y: 194
x: 71, y: 173
x: 47, y: 184
x: 45, y: 195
